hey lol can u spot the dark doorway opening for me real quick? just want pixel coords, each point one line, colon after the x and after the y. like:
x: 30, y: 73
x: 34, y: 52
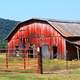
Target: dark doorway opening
x: 30, y: 51
x: 71, y: 51
x: 54, y: 52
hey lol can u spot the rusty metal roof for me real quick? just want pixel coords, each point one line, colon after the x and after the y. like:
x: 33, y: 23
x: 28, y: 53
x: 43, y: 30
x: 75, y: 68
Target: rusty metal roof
x: 67, y: 29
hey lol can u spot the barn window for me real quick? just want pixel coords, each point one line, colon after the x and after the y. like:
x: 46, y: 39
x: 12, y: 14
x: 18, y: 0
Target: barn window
x: 30, y: 51
x: 16, y: 51
x: 22, y: 42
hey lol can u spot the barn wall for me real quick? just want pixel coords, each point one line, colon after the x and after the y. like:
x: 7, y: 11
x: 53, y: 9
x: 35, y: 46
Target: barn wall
x: 38, y: 34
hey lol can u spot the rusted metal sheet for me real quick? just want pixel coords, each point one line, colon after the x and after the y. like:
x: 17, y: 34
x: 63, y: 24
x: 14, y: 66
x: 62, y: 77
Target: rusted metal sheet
x: 67, y: 29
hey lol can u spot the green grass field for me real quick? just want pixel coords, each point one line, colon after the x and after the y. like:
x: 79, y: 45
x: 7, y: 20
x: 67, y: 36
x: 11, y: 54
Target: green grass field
x: 62, y: 70
x: 70, y: 75
x: 55, y: 64
x: 48, y: 65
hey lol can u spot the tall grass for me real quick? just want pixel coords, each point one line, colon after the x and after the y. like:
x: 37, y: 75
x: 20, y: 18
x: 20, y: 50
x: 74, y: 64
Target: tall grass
x: 58, y: 64
x: 32, y: 64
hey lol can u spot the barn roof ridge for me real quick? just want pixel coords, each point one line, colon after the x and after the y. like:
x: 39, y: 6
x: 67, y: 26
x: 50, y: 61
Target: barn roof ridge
x: 57, y: 20
x: 65, y: 21
x: 65, y: 28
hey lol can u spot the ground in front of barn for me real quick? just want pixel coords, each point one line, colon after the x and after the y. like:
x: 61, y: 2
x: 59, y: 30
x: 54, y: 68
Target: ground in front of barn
x: 62, y: 70
x: 61, y: 75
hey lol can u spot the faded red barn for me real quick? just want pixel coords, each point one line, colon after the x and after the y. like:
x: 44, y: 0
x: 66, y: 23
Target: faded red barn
x: 58, y: 39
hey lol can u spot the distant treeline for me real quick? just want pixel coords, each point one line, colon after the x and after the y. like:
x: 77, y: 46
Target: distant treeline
x: 5, y: 28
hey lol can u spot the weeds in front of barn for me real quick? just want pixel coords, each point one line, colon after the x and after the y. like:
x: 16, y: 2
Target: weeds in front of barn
x: 16, y: 64
x: 58, y: 64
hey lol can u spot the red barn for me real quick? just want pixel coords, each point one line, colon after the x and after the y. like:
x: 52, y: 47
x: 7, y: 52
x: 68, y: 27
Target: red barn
x: 58, y: 39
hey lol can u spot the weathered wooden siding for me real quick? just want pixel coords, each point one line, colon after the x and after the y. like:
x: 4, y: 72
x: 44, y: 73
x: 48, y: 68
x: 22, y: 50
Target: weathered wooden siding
x: 39, y: 34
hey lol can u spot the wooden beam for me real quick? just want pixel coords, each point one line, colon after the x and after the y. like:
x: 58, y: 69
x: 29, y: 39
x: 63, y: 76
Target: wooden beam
x: 40, y: 67
x: 65, y: 52
x: 78, y: 53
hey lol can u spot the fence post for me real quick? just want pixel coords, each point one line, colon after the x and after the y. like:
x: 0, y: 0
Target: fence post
x: 40, y: 61
x: 24, y: 57
x: 7, y: 60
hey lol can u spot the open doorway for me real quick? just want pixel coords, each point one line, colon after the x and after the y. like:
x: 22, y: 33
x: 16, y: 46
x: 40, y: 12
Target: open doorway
x: 71, y: 51
x: 54, y: 52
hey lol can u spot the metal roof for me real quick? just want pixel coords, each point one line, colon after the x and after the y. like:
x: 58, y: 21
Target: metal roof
x: 65, y: 28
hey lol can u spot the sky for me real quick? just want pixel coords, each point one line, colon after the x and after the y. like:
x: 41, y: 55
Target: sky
x: 21, y: 10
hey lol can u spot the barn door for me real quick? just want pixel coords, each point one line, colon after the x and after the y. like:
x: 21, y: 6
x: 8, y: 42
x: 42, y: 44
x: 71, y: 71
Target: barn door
x: 45, y: 52
x: 45, y: 56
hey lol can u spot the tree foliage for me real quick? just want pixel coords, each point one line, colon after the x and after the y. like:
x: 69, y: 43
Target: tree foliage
x: 5, y: 28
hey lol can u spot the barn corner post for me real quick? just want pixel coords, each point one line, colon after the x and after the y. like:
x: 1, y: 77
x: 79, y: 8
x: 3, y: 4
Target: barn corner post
x: 40, y: 67
x: 77, y: 52
x: 65, y: 53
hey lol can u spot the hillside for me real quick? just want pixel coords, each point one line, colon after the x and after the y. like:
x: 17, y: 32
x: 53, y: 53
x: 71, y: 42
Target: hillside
x: 5, y: 27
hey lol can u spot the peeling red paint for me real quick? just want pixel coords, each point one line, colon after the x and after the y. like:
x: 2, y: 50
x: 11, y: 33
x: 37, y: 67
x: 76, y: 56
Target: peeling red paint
x: 38, y: 33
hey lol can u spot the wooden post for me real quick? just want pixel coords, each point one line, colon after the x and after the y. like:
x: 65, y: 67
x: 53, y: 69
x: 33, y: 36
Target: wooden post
x: 40, y: 61
x: 77, y: 53
x: 7, y: 60
x: 6, y: 57
x: 65, y: 54
x: 24, y: 56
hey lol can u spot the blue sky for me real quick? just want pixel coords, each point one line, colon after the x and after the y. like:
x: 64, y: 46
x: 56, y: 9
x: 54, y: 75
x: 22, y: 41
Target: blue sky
x: 55, y: 9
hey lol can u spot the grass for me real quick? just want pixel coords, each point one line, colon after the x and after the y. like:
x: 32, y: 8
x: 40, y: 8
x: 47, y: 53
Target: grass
x: 70, y: 75
x: 17, y: 63
x: 55, y: 65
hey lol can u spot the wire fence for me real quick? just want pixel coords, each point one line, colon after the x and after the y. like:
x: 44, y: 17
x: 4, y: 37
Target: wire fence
x: 17, y: 61
x: 25, y: 61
